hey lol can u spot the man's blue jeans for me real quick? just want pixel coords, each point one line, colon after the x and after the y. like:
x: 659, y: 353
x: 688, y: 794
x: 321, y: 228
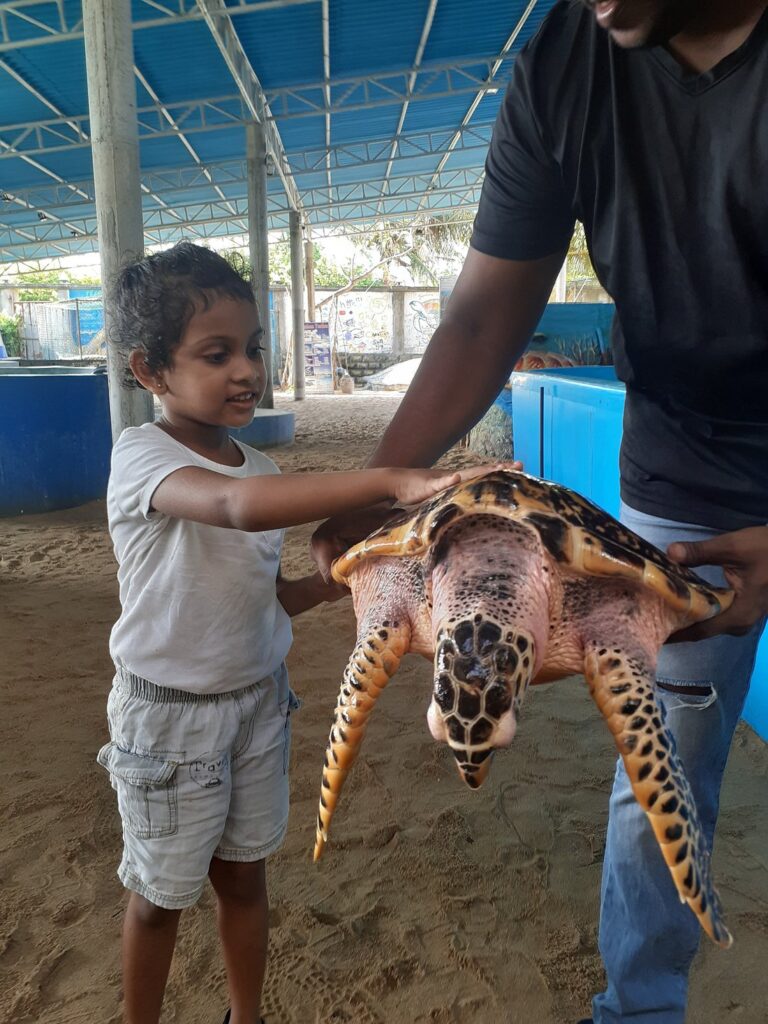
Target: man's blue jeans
x: 647, y: 937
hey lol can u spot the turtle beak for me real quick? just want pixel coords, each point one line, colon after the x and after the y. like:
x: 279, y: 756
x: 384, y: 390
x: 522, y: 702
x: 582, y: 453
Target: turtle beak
x: 473, y: 762
x: 473, y: 774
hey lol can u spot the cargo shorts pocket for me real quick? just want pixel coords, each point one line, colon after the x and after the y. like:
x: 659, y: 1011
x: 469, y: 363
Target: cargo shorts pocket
x: 288, y: 702
x: 146, y: 791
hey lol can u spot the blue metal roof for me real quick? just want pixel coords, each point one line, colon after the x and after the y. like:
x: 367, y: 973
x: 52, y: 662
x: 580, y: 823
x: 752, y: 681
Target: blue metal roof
x: 395, y: 129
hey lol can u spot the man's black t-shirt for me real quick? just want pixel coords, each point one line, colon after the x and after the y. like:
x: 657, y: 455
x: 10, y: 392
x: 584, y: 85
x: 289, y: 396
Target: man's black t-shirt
x: 668, y: 172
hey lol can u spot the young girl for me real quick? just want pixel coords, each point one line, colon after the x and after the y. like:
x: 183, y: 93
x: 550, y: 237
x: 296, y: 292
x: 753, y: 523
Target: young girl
x: 199, y: 713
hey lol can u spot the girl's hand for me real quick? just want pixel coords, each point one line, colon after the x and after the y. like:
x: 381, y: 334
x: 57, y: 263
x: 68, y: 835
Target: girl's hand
x: 412, y: 486
x: 744, y: 558
x: 339, y: 533
x: 297, y: 596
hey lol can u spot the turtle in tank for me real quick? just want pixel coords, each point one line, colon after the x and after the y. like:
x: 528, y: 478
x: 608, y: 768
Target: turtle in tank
x: 508, y: 580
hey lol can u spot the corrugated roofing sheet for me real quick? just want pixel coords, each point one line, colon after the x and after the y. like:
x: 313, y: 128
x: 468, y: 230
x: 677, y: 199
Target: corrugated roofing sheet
x: 191, y: 112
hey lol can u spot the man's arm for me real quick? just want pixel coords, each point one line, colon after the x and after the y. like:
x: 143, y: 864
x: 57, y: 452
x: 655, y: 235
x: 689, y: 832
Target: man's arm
x: 491, y: 315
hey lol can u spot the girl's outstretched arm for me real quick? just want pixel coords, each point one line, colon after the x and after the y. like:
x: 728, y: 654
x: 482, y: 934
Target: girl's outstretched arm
x: 259, y: 503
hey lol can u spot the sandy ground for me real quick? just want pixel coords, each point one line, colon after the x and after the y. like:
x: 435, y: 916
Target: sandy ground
x: 432, y: 905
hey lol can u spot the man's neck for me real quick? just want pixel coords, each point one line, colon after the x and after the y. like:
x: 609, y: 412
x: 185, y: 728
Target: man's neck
x: 715, y: 33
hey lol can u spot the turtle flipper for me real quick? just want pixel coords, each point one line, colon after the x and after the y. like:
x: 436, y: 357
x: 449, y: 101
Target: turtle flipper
x: 372, y: 664
x: 623, y: 689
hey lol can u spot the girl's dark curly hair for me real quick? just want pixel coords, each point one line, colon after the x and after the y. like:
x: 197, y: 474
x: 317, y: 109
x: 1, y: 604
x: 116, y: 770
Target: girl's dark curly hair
x: 154, y: 299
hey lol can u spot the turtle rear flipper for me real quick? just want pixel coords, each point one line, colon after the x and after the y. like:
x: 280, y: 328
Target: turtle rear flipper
x: 623, y: 689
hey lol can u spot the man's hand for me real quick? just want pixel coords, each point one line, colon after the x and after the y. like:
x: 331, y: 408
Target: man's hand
x: 744, y: 558
x: 334, y: 536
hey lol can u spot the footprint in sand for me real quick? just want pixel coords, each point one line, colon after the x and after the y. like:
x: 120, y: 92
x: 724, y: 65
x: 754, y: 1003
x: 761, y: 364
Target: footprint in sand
x: 70, y: 912
x: 519, y: 808
x: 301, y: 993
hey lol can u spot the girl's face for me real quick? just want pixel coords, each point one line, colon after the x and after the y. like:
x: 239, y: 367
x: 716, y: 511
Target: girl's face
x: 217, y: 375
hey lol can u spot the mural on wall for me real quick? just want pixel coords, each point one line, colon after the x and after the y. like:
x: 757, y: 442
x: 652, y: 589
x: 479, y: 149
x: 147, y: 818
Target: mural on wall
x: 361, y: 321
x: 90, y: 312
x: 422, y: 315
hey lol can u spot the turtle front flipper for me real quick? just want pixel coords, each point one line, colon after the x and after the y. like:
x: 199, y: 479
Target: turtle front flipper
x: 372, y: 664
x: 623, y: 689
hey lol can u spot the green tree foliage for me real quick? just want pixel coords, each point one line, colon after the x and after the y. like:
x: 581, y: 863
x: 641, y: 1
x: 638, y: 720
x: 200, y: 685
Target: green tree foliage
x: 327, y: 273
x: 36, y: 286
x: 581, y: 277
x: 10, y: 328
x: 425, y: 247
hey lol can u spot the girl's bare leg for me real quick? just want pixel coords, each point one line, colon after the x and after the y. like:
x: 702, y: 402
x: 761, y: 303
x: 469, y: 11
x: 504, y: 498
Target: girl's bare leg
x: 243, y: 911
x: 149, y: 936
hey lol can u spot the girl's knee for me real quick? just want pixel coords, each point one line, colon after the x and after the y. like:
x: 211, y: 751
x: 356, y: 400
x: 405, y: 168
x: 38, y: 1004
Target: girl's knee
x: 149, y: 915
x: 238, y: 882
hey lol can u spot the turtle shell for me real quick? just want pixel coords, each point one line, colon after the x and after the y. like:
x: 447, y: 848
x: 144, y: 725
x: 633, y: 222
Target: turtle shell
x: 580, y: 536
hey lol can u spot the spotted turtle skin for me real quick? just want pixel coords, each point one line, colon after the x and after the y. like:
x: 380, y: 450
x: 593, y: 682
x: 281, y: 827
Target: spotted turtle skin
x: 506, y: 581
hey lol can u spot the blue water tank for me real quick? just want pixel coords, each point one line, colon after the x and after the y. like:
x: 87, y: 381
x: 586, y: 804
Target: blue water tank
x: 567, y: 426
x: 55, y: 438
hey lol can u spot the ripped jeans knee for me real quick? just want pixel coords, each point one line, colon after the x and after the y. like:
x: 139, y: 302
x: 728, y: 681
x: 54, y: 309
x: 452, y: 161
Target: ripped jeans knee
x: 679, y: 693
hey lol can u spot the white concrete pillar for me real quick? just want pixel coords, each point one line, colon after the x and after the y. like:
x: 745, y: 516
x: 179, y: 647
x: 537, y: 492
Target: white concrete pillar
x: 309, y: 270
x: 398, y: 322
x: 258, y: 240
x: 297, y: 300
x: 115, y: 149
x: 8, y: 299
x: 283, y: 309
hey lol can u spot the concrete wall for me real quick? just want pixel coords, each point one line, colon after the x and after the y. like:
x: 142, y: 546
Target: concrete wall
x: 362, y: 364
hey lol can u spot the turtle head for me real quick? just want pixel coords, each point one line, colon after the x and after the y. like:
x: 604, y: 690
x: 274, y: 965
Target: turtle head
x: 481, y: 673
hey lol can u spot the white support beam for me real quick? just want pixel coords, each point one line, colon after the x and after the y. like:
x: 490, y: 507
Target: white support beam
x: 211, y: 220
x: 43, y: 214
x: 297, y: 303
x: 179, y: 135
x: 347, y: 94
x: 232, y: 173
x: 314, y: 200
x: 216, y: 15
x: 426, y: 28
x: 22, y: 22
x: 453, y: 207
x: 495, y: 66
x: 327, y: 79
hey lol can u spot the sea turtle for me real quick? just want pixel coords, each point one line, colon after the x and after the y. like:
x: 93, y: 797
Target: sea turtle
x: 506, y: 580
